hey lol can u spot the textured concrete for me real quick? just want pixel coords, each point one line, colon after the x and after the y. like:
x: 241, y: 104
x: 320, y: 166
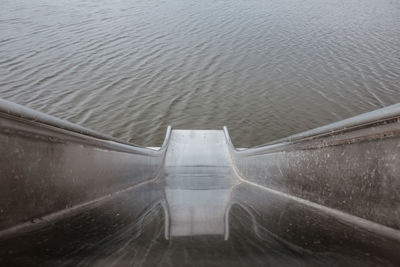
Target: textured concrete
x: 72, y: 197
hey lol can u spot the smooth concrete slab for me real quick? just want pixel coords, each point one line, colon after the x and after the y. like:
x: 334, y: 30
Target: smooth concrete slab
x: 199, y: 178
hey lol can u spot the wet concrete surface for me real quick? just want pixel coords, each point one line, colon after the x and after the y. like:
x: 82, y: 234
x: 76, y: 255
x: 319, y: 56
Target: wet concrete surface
x: 70, y: 198
x: 101, y: 238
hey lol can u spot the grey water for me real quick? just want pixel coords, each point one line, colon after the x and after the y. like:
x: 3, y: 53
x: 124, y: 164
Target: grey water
x: 266, y: 69
x: 128, y: 68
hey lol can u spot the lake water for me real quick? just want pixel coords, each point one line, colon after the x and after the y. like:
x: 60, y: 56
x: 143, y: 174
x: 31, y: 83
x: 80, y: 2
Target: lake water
x: 266, y: 69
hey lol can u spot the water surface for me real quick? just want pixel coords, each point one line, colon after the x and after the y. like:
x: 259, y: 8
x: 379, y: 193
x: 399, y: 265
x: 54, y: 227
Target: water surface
x: 266, y: 69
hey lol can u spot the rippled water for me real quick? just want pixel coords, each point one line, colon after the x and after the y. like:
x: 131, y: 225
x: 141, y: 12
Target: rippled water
x: 266, y: 69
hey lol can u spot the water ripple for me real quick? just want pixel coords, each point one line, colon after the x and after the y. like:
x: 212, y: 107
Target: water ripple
x: 266, y: 69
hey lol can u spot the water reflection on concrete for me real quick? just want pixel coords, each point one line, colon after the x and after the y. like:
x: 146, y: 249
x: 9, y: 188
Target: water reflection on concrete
x: 89, y: 240
x: 198, y: 212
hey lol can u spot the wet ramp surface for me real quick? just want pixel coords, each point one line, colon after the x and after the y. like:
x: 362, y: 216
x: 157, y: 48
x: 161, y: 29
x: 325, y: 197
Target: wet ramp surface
x: 73, y: 197
x: 98, y: 237
x: 199, y: 177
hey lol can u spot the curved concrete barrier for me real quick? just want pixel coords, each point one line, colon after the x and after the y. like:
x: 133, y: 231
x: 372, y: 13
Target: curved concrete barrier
x: 72, y: 197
